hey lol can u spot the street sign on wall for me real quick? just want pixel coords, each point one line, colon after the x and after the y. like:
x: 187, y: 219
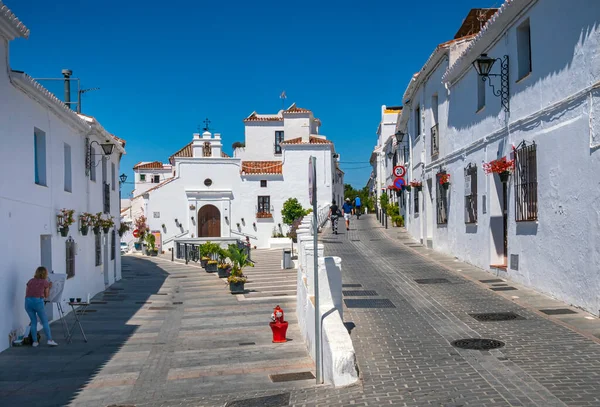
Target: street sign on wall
x: 399, y: 171
x: 136, y: 233
x: 399, y: 183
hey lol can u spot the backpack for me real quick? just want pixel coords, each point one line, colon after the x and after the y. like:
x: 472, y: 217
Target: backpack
x: 28, y: 340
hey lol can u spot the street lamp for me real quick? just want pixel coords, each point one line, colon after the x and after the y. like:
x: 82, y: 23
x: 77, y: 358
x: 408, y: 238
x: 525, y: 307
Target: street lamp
x: 483, y: 66
x: 123, y: 178
x: 107, y: 149
x: 399, y: 136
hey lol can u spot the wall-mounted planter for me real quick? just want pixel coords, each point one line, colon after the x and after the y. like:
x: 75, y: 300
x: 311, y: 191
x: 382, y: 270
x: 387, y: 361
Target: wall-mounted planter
x: 64, y: 231
x: 84, y: 230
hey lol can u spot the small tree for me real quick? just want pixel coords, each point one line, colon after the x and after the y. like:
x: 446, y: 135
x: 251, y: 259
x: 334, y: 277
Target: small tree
x: 141, y: 226
x: 384, y: 201
x: 239, y: 260
x: 292, y: 210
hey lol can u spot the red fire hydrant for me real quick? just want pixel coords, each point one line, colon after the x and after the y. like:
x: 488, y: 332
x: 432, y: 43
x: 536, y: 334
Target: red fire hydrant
x: 278, y: 325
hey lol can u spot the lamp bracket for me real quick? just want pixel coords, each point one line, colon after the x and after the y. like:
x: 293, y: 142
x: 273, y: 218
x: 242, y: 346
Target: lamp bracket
x: 503, y: 92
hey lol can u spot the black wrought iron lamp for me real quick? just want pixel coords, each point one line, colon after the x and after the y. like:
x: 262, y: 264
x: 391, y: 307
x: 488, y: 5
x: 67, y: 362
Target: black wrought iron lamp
x: 107, y: 149
x: 483, y: 65
x: 399, y: 136
x: 122, y: 179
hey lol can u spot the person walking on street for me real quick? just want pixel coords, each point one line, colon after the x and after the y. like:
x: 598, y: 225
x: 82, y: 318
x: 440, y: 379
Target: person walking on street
x: 38, y: 288
x: 334, y: 212
x: 347, y: 208
x: 357, y: 205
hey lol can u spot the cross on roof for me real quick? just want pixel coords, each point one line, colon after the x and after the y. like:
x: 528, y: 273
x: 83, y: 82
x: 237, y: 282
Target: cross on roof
x: 206, y: 124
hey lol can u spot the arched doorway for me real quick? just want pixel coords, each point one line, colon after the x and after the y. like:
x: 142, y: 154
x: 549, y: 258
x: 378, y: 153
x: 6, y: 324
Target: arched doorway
x: 209, y: 221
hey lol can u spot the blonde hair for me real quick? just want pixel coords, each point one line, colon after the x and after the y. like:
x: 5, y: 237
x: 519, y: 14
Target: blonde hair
x: 41, y: 272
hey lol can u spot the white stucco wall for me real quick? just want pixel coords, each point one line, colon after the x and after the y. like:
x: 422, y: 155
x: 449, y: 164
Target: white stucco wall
x: 28, y: 211
x: 555, y: 107
x: 260, y: 141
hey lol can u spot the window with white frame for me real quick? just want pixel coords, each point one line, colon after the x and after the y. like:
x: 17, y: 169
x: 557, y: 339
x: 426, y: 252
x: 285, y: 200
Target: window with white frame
x: 68, y: 177
x: 39, y: 157
x: 523, y: 49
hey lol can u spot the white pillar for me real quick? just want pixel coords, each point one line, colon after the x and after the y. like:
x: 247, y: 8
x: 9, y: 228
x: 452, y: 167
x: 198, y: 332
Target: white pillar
x: 310, y: 265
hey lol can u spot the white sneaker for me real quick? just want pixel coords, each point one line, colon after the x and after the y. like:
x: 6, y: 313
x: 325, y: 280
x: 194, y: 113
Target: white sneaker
x: 35, y: 344
x: 52, y: 343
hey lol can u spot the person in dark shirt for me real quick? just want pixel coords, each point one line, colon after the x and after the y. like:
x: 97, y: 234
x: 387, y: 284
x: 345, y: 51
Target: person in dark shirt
x: 347, y: 208
x: 333, y: 216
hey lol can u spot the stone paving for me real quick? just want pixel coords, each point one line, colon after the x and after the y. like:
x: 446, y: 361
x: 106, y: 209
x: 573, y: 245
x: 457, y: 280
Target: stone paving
x: 189, y: 354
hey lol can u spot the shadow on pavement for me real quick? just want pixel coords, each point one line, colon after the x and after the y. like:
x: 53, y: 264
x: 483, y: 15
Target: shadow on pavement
x: 47, y: 376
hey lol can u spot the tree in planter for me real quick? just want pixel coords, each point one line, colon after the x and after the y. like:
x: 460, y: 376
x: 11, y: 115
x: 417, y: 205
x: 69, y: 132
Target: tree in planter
x: 142, y: 228
x: 239, y: 260
x: 223, y: 267
x: 212, y: 252
x: 151, y: 244
x: 292, y: 210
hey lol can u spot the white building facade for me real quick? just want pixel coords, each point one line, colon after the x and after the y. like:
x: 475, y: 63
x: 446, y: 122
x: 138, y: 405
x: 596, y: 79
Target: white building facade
x: 541, y: 227
x: 45, y: 155
x: 214, y: 196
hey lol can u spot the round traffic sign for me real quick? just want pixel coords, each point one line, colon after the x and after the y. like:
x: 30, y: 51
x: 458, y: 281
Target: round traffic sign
x: 136, y: 233
x: 399, y: 171
x: 399, y: 183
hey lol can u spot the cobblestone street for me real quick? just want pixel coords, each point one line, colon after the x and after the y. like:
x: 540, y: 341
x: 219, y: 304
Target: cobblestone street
x: 170, y: 335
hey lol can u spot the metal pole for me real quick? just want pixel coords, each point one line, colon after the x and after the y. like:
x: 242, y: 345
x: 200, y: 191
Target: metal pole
x: 316, y: 274
x: 186, y: 254
x: 386, y: 219
x: 173, y: 253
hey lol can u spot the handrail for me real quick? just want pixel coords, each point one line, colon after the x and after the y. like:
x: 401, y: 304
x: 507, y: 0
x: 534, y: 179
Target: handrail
x: 175, y: 237
x: 244, y: 234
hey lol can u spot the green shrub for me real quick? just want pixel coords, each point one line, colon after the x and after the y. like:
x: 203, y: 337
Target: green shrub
x: 292, y: 210
x: 398, y: 220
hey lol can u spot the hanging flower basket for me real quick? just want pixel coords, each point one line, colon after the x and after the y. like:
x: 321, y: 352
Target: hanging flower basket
x: 64, y: 231
x: 84, y: 230
x: 445, y: 180
x: 502, y: 166
x: 106, y: 230
x: 96, y: 230
x: 418, y: 185
x: 64, y: 219
x: 85, y: 221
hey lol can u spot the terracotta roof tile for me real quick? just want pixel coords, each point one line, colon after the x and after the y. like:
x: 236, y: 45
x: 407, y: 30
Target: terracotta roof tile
x: 313, y: 140
x: 187, y: 152
x: 119, y: 140
x: 149, y: 166
x: 295, y: 109
x: 262, y: 167
x: 254, y: 117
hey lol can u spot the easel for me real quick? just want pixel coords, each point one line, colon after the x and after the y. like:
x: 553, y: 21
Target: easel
x: 63, y: 322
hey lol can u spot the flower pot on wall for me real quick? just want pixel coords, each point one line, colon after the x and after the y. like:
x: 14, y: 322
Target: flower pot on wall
x: 84, y: 230
x: 64, y: 231
x: 96, y: 230
x: 504, y: 175
x: 445, y: 185
x: 106, y: 230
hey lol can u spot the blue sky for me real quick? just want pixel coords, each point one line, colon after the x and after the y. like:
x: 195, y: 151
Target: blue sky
x: 163, y: 68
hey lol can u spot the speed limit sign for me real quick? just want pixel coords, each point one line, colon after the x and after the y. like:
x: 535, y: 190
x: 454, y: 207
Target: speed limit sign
x: 399, y: 171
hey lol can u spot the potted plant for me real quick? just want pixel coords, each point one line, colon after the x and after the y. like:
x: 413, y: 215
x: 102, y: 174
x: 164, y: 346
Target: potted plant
x: 85, y: 221
x: 418, y: 185
x: 502, y: 166
x: 239, y: 260
x: 445, y: 180
x: 212, y: 252
x: 398, y: 220
x: 142, y: 228
x: 64, y: 219
x: 151, y: 245
x: 223, y: 268
x: 203, y: 251
x: 123, y: 228
x: 105, y: 221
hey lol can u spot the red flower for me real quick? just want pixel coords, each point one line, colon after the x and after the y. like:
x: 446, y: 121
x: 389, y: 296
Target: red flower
x: 444, y: 179
x: 498, y: 166
x: 414, y: 183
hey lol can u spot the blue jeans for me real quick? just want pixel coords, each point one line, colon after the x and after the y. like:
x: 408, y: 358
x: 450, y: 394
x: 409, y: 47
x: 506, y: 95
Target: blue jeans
x: 35, y: 308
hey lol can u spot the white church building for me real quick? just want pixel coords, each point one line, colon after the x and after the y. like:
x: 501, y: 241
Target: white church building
x: 202, y: 193
x: 540, y: 226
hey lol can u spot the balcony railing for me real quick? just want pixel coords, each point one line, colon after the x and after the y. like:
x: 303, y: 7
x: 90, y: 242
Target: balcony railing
x: 435, y: 140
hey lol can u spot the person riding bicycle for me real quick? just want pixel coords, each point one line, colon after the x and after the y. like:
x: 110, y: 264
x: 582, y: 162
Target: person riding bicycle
x: 334, y: 214
x: 357, y: 207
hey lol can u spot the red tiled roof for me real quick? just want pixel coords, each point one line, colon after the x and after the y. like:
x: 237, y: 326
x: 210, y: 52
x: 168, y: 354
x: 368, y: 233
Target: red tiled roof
x: 119, y: 140
x: 262, y: 167
x: 149, y: 166
x: 474, y: 21
x: 313, y: 140
x: 187, y: 152
x: 263, y: 118
x: 295, y: 109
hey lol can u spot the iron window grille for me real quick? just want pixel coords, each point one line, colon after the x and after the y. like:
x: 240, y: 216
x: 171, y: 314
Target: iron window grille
x: 526, y: 196
x: 278, y: 140
x: 471, y: 194
x: 70, y: 257
x: 112, y: 245
x: 263, y: 183
x: 416, y: 201
x: 435, y: 140
x: 142, y: 177
x: 441, y: 200
x: 98, y: 246
x: 106, y: 198
x: 264, y: 204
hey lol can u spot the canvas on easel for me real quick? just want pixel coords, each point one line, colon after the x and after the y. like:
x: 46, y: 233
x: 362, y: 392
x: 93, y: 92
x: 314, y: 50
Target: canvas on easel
x: 58, y: 285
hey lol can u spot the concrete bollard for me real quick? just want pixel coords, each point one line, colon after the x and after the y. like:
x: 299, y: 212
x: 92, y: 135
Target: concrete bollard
x: 302, y: 242
x: 330, y: 283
